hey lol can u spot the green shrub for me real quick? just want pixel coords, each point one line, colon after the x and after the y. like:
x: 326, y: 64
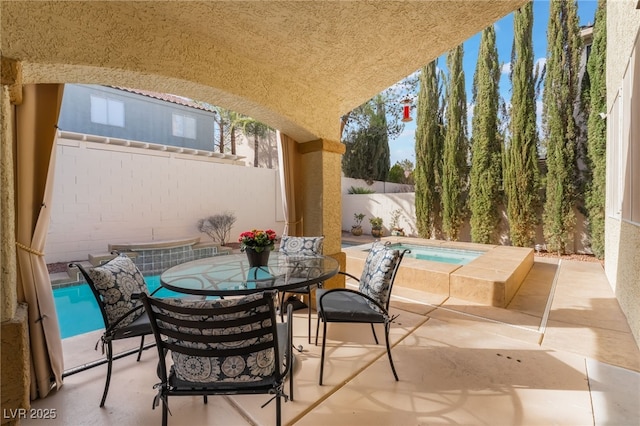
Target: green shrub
x: 360, y: 190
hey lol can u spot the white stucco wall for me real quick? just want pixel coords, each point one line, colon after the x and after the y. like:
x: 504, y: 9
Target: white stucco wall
x: 622, y: 263
x: 623, y: 23
x: 114, y: 194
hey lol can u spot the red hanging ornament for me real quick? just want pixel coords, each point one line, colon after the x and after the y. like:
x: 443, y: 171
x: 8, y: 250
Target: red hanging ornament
x: 406, y: 110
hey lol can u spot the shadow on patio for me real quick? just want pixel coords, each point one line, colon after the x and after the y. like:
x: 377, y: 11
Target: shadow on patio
x: 559, y: 354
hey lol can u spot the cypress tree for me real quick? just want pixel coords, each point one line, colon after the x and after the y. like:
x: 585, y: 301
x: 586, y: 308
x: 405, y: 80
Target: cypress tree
x: 428, y: 148
x: 520, y: 173
x: 486, y: 158
x: 454, y: 167
x: 558, y: 117
x: 597, y: 130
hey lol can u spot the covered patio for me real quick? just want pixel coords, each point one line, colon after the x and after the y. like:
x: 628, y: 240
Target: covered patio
x: 298, y: 67
x: 560, y: 353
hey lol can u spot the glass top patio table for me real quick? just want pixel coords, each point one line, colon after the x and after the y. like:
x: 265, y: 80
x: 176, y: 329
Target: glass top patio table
x: 227, y: 275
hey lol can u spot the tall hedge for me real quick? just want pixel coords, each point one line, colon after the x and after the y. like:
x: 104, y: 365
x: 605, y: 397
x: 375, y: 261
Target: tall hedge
x: 597, y: 130
x: 559, y: 125
x: 454, y: 167
x: 520, y: 172
x: 428, y: 146
x: 486, y: 149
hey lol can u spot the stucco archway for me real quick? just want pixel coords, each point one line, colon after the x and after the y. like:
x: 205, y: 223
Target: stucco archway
x: 296, y: 66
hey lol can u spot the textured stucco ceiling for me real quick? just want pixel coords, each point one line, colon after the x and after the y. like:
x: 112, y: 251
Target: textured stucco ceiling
x: 295, y: 65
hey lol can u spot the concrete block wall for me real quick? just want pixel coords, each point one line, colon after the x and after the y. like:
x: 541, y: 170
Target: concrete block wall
x: 106, y: 194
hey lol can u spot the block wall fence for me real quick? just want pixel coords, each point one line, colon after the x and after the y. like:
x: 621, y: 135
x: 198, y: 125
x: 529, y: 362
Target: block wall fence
x: 110, y: 194
x: 106, y: 193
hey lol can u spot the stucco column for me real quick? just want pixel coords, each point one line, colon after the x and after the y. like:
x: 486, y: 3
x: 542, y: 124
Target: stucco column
x: 320, y: 173
x: 11, y: 95
x: 14, y: 331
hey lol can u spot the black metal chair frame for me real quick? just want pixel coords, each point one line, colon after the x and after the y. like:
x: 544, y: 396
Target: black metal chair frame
x: 306, y: 290
x: 383, y: 318
x: 168, y: 330
x: 141, y: 327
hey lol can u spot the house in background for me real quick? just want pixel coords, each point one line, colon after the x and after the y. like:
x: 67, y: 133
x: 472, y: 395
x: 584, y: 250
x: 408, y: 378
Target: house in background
x: 157, y: 118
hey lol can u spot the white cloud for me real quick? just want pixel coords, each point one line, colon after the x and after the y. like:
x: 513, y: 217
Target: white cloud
x: 540, y: 63
x: 506, y: 68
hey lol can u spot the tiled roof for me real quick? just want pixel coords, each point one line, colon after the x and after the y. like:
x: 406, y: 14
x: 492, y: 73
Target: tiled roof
x: 180, y: 100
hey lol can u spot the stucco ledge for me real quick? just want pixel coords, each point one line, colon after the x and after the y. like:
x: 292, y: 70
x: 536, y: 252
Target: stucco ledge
x: 15, y: 365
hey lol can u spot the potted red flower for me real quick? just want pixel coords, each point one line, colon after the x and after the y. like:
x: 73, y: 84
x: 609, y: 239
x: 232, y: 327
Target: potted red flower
x: 257, y: 243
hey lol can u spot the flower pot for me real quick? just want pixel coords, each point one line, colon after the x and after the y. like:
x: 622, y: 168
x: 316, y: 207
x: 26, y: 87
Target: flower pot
x: 257, y: 258
x: 377, y: 233
x: 356, y: 230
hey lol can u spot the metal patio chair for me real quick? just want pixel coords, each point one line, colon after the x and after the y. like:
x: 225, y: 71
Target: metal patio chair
x: 114, y: 285
x: 301, y: 247
x: 369, y: 304
x: 221, y: 347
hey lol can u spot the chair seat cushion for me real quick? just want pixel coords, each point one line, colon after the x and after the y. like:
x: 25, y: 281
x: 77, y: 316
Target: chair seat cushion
x: 347, y: 306
x: 234, y: 385
x: 141, y: 326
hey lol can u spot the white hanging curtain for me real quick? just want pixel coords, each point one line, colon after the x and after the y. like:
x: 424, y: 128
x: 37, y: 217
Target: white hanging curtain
x: 36, y: 120
x: 287, y: 157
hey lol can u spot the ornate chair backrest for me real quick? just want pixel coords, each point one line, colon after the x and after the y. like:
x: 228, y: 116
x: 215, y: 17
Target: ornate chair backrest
x: 379, y: 272
x: 113, y: 285
x: 219, y: 340
x: 301, y: 246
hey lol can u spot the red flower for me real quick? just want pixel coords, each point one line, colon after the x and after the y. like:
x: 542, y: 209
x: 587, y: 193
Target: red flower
x: 257, y: 239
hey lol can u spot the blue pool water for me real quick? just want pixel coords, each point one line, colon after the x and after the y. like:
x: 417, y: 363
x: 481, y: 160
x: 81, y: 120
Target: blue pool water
x: 78, y: 311
x: 440, y: 254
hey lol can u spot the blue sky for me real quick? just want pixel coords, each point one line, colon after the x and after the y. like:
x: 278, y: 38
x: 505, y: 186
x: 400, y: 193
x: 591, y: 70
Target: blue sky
x: 403, y: 147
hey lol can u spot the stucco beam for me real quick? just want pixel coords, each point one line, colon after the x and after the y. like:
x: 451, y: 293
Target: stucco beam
x: 322, y: 145
x: 11, y: 75
x: 304, y: 118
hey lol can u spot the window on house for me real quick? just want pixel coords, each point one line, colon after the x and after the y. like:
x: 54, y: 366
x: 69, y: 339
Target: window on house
x: 107, y: 111
x: 184, y: 126
x: 614, y: 160
x: 623, y: 147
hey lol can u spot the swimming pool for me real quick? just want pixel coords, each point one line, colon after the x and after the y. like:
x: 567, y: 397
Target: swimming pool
x: 78, y: 311
x: 439, y: 254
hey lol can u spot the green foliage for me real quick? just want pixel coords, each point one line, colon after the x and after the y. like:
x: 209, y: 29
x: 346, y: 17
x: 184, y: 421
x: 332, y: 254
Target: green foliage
x: 357, y: 218
x: 258, y: 131
x: 454, y: 169
x: 486, y: 154
x: 367, y: 154
x: 597, y: 131
x: 360, y: 190
x: 429, y: 143
x: 391, y: 98
x: 395, y: 218
x: 520, y: 167
x: 376, y: 222
x: 401, y: 172
x: 560, y: 129
x: 396, y: 174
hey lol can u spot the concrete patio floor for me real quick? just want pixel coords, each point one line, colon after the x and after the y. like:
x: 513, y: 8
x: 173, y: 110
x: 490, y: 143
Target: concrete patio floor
x: 561, y: 353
